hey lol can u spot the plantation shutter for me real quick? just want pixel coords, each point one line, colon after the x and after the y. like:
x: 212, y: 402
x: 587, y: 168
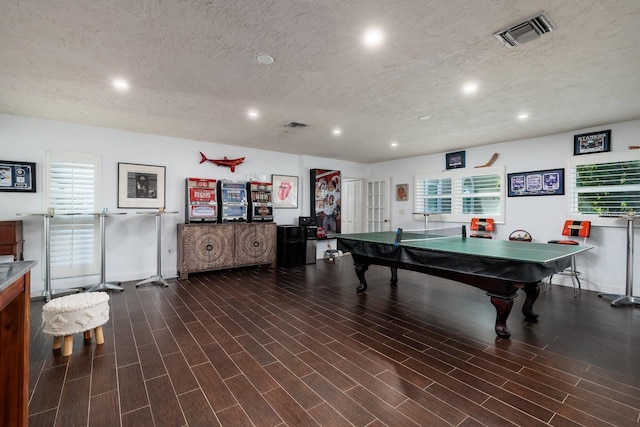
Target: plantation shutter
x: 458, y: 195
x: 479, y: 193
x: 605, y: 184
x: 433, y: 194
x: 71, y: 188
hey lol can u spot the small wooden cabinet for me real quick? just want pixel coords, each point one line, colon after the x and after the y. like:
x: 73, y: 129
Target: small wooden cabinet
x: 208, y: 247
x: 11, y: 241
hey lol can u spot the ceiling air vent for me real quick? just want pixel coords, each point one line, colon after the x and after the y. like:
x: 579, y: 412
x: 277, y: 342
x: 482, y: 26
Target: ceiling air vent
x: 295, y: 125
x: 525, y: 31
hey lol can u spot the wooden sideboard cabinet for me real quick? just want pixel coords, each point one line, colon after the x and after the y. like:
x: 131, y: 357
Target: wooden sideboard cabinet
x: 208, y: 247
x: 11, y: 241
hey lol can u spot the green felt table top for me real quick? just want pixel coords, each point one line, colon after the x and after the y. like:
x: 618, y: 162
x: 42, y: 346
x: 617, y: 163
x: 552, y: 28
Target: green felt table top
x: 490, y: 248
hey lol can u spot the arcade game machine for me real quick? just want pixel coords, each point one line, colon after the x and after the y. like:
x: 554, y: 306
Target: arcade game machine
x: 260, y: 201
x: 201, y: 200
x: 232, y: 203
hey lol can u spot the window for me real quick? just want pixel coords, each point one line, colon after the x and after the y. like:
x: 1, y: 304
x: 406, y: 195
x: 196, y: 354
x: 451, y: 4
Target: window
x: 459, y: 194
x: 604, y: 184
x: 71, y: 183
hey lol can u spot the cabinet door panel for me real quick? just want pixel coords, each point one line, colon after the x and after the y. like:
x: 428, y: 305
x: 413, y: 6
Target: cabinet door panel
x: 254, y: 244
x: 207, y: 247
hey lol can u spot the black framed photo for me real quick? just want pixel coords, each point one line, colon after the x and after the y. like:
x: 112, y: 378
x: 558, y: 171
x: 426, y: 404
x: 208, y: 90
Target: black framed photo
x: 17, y: 177
x: 455, y: 160
x: 592, y: 142
x: 536, y: 183
x: 141, y: 186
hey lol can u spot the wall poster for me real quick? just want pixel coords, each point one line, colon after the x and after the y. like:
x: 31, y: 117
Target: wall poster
x: 536, y: 183
x: 325, y: 199
x: 285, y: 189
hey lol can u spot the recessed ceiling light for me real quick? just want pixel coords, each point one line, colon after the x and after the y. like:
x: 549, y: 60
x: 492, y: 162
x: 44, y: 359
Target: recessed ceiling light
x: 120, y: 84
x: 264, y: 58
x: 373, y: 37
x: 394, y: 144
x: 523, y: 116
x: 253, y: 114
x: 470, y: 88
x: 337, y: 131
x: 424, y: 117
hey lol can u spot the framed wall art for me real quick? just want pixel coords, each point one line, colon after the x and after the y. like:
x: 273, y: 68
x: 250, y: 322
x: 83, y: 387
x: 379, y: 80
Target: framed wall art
x: 593, y: 142
x: 141, y: 186
x: 325, y: 198
x: 402, y: 192
x: 536, y: 183
x: 19, y: 177
x: 285, y: 190
x: 455, y: 160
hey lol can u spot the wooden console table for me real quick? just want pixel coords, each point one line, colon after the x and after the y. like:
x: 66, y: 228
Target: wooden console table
x: 15, y: 281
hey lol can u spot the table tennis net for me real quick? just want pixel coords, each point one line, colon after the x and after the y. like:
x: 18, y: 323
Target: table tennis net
x: 431, y: 234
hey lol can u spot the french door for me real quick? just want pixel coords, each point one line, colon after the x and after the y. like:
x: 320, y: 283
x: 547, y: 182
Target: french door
x: 378, y: 205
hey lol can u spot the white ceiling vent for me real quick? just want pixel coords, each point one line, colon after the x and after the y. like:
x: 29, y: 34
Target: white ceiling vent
x: 525, y: 31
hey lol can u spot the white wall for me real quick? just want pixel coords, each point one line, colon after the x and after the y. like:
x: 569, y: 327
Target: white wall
x: 603, y: 268
x: 131, y: 250
x: 130, y: 241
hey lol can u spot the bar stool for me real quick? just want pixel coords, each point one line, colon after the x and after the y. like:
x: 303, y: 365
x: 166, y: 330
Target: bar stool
x: 570, y: 231
x: 483, y: 228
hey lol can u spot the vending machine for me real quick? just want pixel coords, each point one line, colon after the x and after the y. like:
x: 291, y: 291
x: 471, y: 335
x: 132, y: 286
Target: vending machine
x: 201, y: 200
x: 260, y: 201
x: 232, y: 200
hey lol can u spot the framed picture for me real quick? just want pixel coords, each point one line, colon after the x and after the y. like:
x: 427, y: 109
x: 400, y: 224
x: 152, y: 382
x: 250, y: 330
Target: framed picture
x: 402, y: 192
x: 17, y: 176
x: 326, y: 198
x: 593, y: 142
x: 455, y: 160
x: 536, y: 183
x: 141, y: 186
x: 285, y: 190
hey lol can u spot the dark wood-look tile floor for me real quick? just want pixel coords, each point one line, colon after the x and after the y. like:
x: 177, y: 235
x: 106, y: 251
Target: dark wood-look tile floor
x: 297, y: 347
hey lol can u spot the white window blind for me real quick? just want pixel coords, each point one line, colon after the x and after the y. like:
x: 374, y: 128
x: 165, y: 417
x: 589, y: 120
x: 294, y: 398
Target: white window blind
x: 604, y: 184
x: 71, y: 187
x: 433, y: 194
x: 460, y: 194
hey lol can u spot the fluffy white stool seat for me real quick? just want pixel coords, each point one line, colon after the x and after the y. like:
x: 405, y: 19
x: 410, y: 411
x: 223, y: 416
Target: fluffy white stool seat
x: 72, y: 314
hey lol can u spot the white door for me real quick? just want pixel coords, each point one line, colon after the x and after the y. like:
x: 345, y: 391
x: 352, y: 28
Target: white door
x: 351, y: 209
x: 378, y: 205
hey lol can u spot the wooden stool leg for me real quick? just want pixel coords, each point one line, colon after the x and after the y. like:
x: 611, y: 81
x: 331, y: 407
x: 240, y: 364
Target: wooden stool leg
x: 68, y: 345
x: 57, y: 343
x: 87, y: 335
x: 99, y: 335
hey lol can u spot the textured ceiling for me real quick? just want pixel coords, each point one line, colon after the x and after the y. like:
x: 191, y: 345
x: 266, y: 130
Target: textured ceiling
x: 193, y: 70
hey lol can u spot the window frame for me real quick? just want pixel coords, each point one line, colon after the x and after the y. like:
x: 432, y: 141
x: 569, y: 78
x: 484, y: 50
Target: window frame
x: 457, y: 177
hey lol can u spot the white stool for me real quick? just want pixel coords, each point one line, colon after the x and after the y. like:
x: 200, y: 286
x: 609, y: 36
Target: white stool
x: 72, y: 314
